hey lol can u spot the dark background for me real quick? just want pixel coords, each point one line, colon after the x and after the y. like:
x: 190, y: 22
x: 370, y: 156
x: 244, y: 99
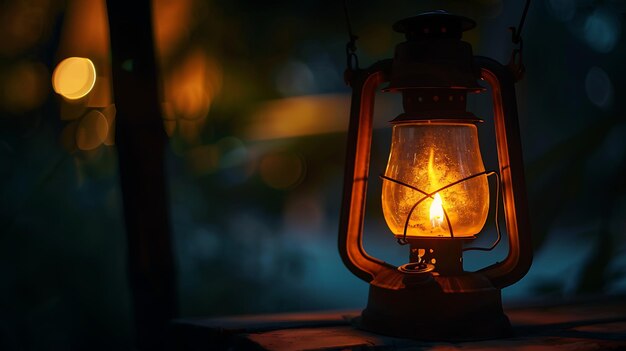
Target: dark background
x: 256, y: 111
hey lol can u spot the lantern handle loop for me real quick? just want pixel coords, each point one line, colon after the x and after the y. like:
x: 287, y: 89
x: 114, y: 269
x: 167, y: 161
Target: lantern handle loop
x: 511, y: 167
x: 495, y: 219
x: 352, y: 60
x: 516, y: 62
x: 516, y: 33
x: 364, y: 83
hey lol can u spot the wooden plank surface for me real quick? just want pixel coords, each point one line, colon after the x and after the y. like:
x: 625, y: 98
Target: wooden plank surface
x: 589, y: 325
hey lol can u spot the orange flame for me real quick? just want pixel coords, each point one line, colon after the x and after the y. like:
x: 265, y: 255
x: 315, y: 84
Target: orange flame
x: 436, y: 211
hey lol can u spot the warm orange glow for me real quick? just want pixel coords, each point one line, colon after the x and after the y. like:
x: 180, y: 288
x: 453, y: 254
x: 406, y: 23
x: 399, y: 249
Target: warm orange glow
x: 74, y: 77
x: 282, y: 170
x: 189, y: 90
x: 436, y: 208
x: 436, y: 211
x: 24, y: 87
x: 92, y: 131
x: 24, y: 23
x: 85, y: 32
x: 193, y: 85
x: 429, y: 157
x: 173, y: 21
x: 316, y: 114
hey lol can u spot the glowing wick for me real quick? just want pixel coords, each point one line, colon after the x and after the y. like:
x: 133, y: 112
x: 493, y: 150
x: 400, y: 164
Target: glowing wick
x: 436, y: 211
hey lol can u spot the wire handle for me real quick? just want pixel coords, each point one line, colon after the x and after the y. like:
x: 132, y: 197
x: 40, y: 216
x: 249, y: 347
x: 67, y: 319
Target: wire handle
x: 404, y: 241
x: 352, y: 60
x: 516, y: 62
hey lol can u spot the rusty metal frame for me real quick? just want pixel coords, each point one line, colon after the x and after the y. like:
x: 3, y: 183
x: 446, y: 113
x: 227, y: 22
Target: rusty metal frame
x: 364, y: 85
x: 511, y: 164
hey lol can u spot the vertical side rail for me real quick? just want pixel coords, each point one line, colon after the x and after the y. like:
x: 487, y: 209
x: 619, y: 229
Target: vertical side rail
x: 519, y: 259
x: 364, y: 84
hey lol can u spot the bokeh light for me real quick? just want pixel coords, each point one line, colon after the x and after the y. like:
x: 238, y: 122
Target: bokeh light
x: 282, y: 170
x: 193, y: 85
x: 298, y: 116
x: 92, y: 131
x: 189, y: 89
x: 599, y: 87
x: 74, y: 77
x: 24, y: 87
x: 295, y: 78
x: 602, y: 30
x: 88, y: 128
x: 85, y: 32
x: 22, y: 24
x: 312, y: 115
x: 233, y: 152
x: 173, y: 21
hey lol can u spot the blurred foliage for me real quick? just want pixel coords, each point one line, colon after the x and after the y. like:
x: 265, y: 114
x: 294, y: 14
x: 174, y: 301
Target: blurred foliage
x: 252, y: 241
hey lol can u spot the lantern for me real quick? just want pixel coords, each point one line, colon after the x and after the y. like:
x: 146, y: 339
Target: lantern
x: 435, y: 194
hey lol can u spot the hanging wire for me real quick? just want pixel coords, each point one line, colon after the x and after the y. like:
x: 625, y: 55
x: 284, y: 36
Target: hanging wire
x: 408, y: 217
x: 352, y: 60
x: 516, y: 63
x: 516, y: 34
x: 495, y: 219
x: 404, y: 241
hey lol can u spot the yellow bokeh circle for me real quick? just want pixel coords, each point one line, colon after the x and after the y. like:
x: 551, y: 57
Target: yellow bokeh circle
x: 74, y: 77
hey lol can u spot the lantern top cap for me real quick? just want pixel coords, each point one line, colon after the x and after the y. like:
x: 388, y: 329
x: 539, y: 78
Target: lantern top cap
x: 434, y: 24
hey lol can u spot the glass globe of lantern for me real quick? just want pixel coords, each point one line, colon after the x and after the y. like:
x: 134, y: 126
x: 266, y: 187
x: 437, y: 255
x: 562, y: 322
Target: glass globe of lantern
x: 431, y: 157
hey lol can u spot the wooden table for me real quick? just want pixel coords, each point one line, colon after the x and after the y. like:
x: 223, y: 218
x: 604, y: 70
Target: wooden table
x: 598, y: 324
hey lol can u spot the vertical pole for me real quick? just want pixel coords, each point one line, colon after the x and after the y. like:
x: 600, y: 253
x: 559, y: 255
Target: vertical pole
x: 140, y: 141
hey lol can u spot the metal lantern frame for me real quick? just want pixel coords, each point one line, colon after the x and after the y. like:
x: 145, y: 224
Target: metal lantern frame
x: 452, y: 304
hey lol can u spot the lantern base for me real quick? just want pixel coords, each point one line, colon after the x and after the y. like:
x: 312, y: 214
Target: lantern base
x: 459, y: 308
